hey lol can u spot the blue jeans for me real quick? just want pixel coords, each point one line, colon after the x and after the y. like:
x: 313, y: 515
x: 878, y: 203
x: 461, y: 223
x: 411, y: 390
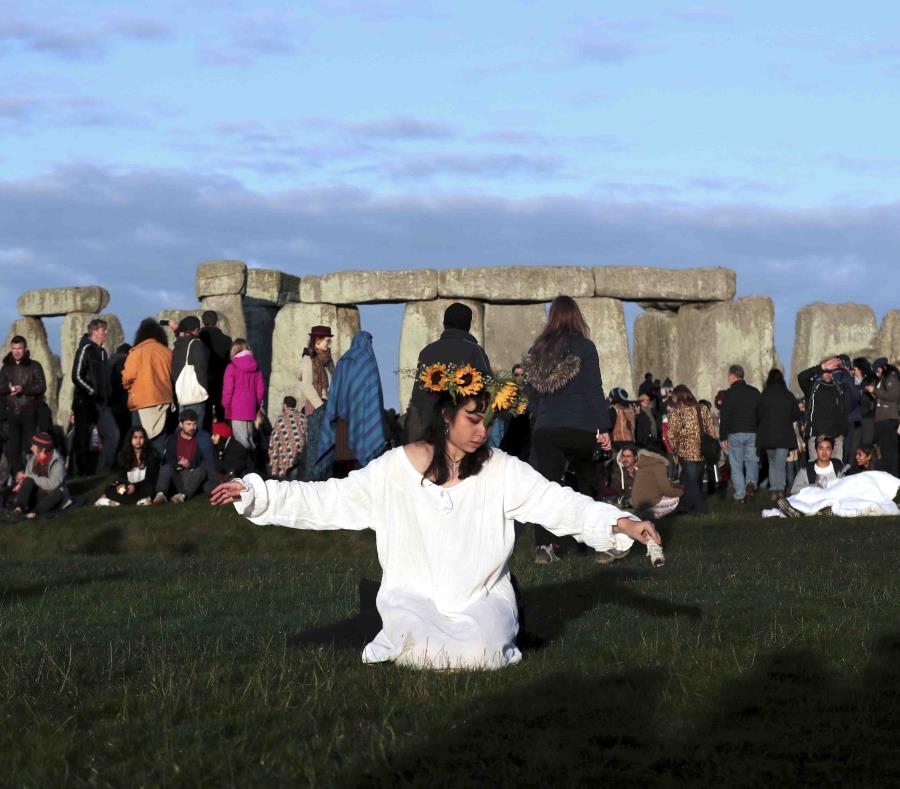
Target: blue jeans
x: 743, y: 462
x: 693, y: 499
x: 777, y: 468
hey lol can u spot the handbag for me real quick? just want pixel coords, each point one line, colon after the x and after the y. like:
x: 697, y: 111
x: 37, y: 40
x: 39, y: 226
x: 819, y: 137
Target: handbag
x: 710, y: 450
x: 187, y: 387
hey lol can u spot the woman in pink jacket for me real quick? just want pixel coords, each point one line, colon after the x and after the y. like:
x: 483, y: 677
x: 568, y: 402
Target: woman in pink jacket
x: 242, y: 392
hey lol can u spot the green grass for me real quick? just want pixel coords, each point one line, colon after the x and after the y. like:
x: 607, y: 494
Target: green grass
x: 159, y: 647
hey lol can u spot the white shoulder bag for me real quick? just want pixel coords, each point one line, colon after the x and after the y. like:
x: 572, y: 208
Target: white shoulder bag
x: 187, y: 387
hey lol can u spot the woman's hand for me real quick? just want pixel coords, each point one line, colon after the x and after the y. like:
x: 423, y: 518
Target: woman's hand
x: 227, y: 493
x: 130, y: 490
x: 604, y: 441
x: 641, y: 531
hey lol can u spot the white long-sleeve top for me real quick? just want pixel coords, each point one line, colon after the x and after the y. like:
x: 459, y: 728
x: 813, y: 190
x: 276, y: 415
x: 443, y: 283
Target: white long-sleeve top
x: 446, y: 599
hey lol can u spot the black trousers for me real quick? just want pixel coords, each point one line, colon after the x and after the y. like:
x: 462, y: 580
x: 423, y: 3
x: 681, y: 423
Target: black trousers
x: 21, y: 428
x: 553, y: 448
x: 886, y: 438
x: 31, y: 497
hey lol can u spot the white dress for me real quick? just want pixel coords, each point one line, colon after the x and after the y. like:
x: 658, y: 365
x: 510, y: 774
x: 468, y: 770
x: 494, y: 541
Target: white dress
x: 446, y: 599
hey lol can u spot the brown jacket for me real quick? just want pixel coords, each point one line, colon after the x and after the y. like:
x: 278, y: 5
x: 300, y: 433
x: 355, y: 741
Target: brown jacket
x: 684, y: 431
x: 651, y: 482
x: 148, y: 375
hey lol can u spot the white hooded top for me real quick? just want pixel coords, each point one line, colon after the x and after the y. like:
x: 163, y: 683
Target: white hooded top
x: 446, y: 599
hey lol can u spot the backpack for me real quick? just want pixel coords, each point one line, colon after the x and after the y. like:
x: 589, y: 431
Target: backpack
x: 187, y: 387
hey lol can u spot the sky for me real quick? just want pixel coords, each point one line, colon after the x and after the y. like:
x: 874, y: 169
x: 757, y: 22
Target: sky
x: 327, y: 135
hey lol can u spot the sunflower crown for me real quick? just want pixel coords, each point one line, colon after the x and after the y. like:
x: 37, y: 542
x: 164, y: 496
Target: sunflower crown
x: 464, y: 380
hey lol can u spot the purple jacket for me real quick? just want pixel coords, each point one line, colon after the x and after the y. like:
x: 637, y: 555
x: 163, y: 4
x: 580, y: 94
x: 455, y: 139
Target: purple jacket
x: 243, y: 388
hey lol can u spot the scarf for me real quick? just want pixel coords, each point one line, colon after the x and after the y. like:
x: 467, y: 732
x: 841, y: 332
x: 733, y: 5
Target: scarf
x: 322, y: 365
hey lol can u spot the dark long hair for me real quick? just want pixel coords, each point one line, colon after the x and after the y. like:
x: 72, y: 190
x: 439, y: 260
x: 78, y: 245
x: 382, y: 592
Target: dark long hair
x: 150, y: 330
x: 684, y: 397
x: 127, y: 458
x: 564, y: 321
x: 775, y: 378
x: 445, y: 411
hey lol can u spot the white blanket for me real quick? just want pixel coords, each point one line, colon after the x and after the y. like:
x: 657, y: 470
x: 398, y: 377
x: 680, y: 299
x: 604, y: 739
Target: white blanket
x: 869, y: 493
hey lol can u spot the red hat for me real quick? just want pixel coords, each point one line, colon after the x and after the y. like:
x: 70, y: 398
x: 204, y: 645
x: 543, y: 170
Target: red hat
x: 320, y: 331
x: 221, y: 429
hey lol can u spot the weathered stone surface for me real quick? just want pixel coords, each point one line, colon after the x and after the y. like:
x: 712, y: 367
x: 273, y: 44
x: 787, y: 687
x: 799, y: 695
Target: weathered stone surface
x: 48, y: 302
x: 260, y: 320
x: 72, y: 330
x: 272, y: 287
x: 230, y: 310
x: 221, y: 278
x: 655, y: 346
x: 644, y: 284
x: 32, y: 329
x: 606, y: 320
x: 292, y: 326
x: 370, y: 287
x: 711, y: 337
x: 311, y: 289
x: 511, y: 284
x: 824, y: 330
x: 423, y: 322
x: 510, y: 330
x: 888, y: 342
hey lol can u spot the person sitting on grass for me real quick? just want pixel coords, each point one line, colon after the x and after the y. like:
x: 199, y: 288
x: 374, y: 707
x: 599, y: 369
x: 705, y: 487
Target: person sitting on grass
x: 868, y: 458
x: 443, y: 512
x: 138, y: 473
x: 287, y: 441
x: 189, y: 463
x: 41, y: 487
x: 825, y: 470
x: 231, y: 458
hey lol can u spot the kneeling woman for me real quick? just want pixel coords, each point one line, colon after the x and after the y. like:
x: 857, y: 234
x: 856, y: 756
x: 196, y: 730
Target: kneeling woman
x: 442, y: 510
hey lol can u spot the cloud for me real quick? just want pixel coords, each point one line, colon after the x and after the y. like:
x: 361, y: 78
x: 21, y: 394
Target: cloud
x: 606, y: 49
x: 500, y: 165
x: 251, y: 37
x: 402, y: 128
x: 70, y: 42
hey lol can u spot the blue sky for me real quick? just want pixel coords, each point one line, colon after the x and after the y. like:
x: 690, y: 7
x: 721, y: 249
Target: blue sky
x: 335, y: 134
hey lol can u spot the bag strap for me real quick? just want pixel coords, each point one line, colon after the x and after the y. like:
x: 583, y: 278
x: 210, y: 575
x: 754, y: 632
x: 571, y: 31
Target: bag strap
x: 700, y: 421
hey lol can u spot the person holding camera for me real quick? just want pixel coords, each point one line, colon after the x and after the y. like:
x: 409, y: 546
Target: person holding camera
x: 826, y: 406
x: 565, y: 393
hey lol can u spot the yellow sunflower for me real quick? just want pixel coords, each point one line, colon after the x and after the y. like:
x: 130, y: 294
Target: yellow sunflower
x: 468, y: 380
x: 434, y: 377
x: 505, y: 396
x: 523, y: 404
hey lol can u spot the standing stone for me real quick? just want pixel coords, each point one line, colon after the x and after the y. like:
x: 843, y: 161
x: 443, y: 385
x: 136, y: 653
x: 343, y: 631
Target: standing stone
x: 260, y: 321
x: 49, y: 302
x: 888, y: 342
x: 655, y: 346
x: 231, y: 308
x: 524, y: 284
x: 32, y: 329
x: 606, y: 320
x: 825, y: 330
x: 72, y: 330
x: 291, y: 334
x: 221, y: 278
x: 641, y: 283
x: 423, y: 323
x: 368, y: 287
x: 271, y: 287
x: 509, y: 331
x: 712, y: 337
x: 311, y: 289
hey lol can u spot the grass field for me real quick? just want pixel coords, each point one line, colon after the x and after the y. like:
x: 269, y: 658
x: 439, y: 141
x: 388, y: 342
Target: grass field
x: 178, y: 646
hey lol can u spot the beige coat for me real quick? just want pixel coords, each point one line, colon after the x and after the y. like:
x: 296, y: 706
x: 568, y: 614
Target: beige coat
x: 308, y: 393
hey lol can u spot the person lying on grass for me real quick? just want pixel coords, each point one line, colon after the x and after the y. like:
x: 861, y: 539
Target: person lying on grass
x: 442, y: 510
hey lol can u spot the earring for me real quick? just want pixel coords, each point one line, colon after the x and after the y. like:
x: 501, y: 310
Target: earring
x: 446, y: 430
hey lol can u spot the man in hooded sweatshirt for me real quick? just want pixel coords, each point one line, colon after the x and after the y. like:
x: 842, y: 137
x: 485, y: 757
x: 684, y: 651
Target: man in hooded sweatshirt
x: 90, y: 400
x: 456, y: 345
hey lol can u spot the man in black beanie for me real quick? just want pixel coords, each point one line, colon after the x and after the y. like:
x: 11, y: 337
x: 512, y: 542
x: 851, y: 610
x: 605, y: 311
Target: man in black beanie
x: 455, y: 346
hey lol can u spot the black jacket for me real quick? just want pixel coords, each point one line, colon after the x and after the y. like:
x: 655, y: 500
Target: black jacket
x: 826, y: 409
x: 232, y: 458
x: 90, y: 374
x: 778, y: 410
x: 567, y: 391
x: 739, y: 409
x: 191, y: 350
x: 218, y: 346
x: 29, y: 374
x: 118, y: 394
x: 455, y: 346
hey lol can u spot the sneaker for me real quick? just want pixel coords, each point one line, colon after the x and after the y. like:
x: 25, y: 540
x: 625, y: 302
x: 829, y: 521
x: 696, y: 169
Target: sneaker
x: 178, y: 498
x: 545, y: 554
x: 610, y: 556
x: 655, y: 554
x: 785, y: 506
x: 66, y: 504
x: 103, y: 501
x: 739, y: 502
x: 825, y: 511
x: 160, y: 498
x: 143, y: 502
x: 751, y: 491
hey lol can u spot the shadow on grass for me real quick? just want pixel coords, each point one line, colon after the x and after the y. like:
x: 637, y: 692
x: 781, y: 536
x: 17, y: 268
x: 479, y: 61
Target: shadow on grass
x: 108, y: 542
x: 543, y: 610
x: 788, y: 721
x: 13, y: 594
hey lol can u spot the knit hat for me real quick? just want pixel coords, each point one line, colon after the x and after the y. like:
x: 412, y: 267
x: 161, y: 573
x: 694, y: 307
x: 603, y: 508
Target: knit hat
x: 221, y: 429
x: 43, y: 440
x: 458, y: 316
x: 619, y: 395
x: 881, y: 361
